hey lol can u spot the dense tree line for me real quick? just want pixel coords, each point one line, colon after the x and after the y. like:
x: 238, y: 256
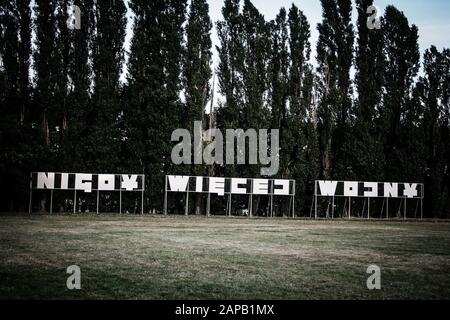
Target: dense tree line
x: 63, y: 106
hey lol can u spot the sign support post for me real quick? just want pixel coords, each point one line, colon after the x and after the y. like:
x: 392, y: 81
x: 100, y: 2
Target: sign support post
x: 51, y: 201
x: 142, y: 195
x: 315, y: 200
x: 293, y: 202
x: 120, y: 200
x: 271, y: 205
x: 421, y: 209
x: 165, y: 197
x: 404, y: 211
x: 250, y: 209
x: 186, y: 208
x: 98, y: 199
x: 208, y: 205
x: 421, y: 202
x: 387, y: 209
x: 332, y: 209
x: 75, y: 201
x: 30, y: 205
x: 349, y: 207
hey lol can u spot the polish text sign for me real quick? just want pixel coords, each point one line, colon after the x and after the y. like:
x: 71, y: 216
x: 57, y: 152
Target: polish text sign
x: 369, y: 189
x: 222, y: 186
x: 87, y: 182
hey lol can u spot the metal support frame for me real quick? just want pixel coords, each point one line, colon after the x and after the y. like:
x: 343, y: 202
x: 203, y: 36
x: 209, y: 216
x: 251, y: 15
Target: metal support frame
x: 208, y: 205
x: 387, y: 209
x: 403, y: 201
x: 51, y: 201
x: 228, y: 210
x: 293, y: 202
x: 415, y: 210
x: 186, y: 208
x: 98, y: 200
x: 344, y: 208
x: 30, y: 204
x: 120, y: 200
x: 75, y: 199
x: 349, y: 207
x: 421, y: 209
x: 315, y: 200
x: 332, y: 209
x: 165, y: 197
x: 271, y: 205
x: 364, y: 207
x: 404, y: 211
x: 142, y: 194
x: 421, y: 202
x: 250, y: 209
x: 75, y: 202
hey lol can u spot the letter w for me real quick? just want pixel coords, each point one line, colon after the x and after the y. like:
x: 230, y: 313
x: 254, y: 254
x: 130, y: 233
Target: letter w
x: 327, y: 188
x: 178, y: 183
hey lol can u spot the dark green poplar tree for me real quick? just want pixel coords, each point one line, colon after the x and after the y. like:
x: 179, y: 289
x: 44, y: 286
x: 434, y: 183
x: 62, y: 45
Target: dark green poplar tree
x: 46, y: 69
x: 46, y: 105
x: 401, y: 51
x: 279, y: 82
x: 311, y: 150
x: 244, y: 54
x: 256, y: 46
x: 229, y: 72
x: 334, y: 57
x: 153, y: 91
x: 367, y: 153
x: 61, y: 89
x: 413, y: 148
x: 231, y: 55
x: 431, y: 92
x: 145, y: 62
x: 197, y: 73
x: 144, y: 88
x: 173, y: 49
x: 446, y: 126
x: 103, y: 143
x: 78, y: 105
x: 300, y: 50
x: 278, y: 68
x: 16, y: 146
x: 278, y: 75
x: 299, y: 91
x: 197, y: 61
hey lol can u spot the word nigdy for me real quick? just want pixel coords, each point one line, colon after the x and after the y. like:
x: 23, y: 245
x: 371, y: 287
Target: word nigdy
x: 87, y: 182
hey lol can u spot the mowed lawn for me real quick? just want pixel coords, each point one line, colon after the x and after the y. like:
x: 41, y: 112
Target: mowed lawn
x: 143, y: 257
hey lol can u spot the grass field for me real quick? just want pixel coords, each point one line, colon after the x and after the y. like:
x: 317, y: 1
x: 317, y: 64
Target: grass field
x: 135, y: 257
